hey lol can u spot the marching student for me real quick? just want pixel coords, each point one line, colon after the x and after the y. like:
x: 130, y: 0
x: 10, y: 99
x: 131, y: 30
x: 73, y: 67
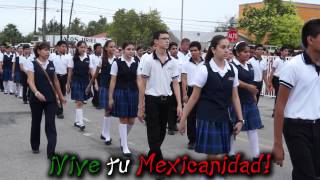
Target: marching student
x: 158, y: 71
x: 297, y: 113
x: 184, y: 52
x: 44, y: 85
x: 247, y: 93
x: 16, y: 72
x: 215, y: 89
x: 260, y: 69
x: 140, y: 52
x: 24, y: 60
x: 60, y: 59
x: 1, y: 70
x: 188, y: 74
x: 7, y: 70
x: 123, y: 93
x: 172, y: 120
x: 277, y: 66
x: 104, y: 66
x: 95, y: 59
x: 79, y: 70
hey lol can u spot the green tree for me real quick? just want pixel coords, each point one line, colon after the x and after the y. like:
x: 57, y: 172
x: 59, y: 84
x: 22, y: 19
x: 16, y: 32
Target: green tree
x: 77, y: 27
x: 53, y: 27
x: 10, y: 34
x: 134, y: 27
x: 287, y: 32
x: 96, y: 27
x: 263, y: 22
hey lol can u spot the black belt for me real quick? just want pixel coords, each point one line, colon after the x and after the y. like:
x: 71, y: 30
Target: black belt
x: 161, y: 98
x: 61, y: 75
x: 303, y: 121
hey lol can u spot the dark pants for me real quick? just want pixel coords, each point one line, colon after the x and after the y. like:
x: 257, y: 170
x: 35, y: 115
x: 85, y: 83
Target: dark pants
x: 25, y: 87
x: 1, y: 83
x: 259, y: 87
x: 156, y: 109
x: 62, y: 81
x: 303, y: 142
x: 95, y: 99
x: 275, y: 84
x: 172, y: 120
x: 191, y: 121
x: 49, y: 109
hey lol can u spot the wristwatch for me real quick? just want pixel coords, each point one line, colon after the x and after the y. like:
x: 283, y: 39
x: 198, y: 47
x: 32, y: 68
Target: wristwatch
x: 36, y: 93
x: 240, y: 120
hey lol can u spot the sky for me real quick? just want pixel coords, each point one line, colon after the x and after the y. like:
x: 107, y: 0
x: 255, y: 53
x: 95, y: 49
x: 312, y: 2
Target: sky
x: 199, y: 15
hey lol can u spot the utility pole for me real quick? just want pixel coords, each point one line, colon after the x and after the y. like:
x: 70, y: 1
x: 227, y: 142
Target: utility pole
x: 181, y: 28
x: 44, y: 25
x: 70, y: 20
x: 61, y: 25
x: 35, y: 17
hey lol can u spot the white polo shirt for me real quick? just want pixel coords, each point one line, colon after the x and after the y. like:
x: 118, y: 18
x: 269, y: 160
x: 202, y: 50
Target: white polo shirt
x: 1, y: 57
x: 44, y: 65
x: 278, y: 64
x: 201, y: 75
x: 190, y: 68
x: 180, y: 63
x: 25, y: 61
x: 95, y: 60
x: 159, y: 75
x: 258, y: 67
x: 184, y: 57
x: 60, y: 62
x: 302, y: 77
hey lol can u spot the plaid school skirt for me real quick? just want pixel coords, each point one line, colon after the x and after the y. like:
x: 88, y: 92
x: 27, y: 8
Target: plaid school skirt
x: 213, y: 137
x: 125, y: 103
x: 103, y: 97
x: 7, y: 75
x: 251, y: 116
x: 17, y: 77
x: 78, y: 89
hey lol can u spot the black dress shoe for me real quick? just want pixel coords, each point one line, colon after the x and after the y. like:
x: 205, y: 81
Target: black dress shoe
x: 35, y: 151
x: 25, y: 102
x: 127, y: 154
x: 170, y: 132
x: 49, y: 156
x: 76, y: 125
x: 60, y: 116
x: 102, y: 137
x: 82, y: 127
x: 108, y: 142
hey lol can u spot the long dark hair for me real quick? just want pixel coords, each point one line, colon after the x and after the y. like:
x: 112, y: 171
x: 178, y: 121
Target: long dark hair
x: 105, y: 52
x: 239, y: 47
x: 213, y: 44
x: 77, y: 54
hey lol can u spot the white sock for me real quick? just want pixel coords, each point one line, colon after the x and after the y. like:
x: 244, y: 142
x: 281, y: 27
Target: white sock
x: 129, y: 127
x: 20, y: 91
x: 254, y: 142
x: 232, y: 146
x: 80, y: 117
x: 11, y: 86
x: 123, y: 137
x: 5, y: 85
x: 106, y: 128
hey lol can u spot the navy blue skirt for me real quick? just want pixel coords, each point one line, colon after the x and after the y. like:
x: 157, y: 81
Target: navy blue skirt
x: 7, y: 75
x: 125, y: 103
x: 17, y: 77
x: 213, y: 137
x: 251, y: 116
x: 103, y: 97
x: 78, y: 89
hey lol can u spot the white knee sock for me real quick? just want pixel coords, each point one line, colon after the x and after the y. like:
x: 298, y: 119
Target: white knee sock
x: 11, y: 86
x: 5, y: 86
x: 106, y: 128
x: 129, y: 127
x: 232, y: 146
x: 20, y: 91
x: 79, y: 117
x: 123, y: 137
x: 254, y: 142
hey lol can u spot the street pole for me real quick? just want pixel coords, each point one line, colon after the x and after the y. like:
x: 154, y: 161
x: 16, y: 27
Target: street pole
x: 61, y: 26
x: 70, y: 20
x: 35, y: 17
x: 44, y: 24
x: 181, y: 28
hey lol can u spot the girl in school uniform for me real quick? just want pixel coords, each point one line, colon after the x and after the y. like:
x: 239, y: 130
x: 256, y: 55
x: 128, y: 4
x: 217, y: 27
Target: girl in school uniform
x: 17, y: 72
x: 7, y: 70
x: 78, y: 80
x: 247, y: 93
x: 104, y: 66
x: 123, y: 93
x: 215, y: 89
x: 43, y: 98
